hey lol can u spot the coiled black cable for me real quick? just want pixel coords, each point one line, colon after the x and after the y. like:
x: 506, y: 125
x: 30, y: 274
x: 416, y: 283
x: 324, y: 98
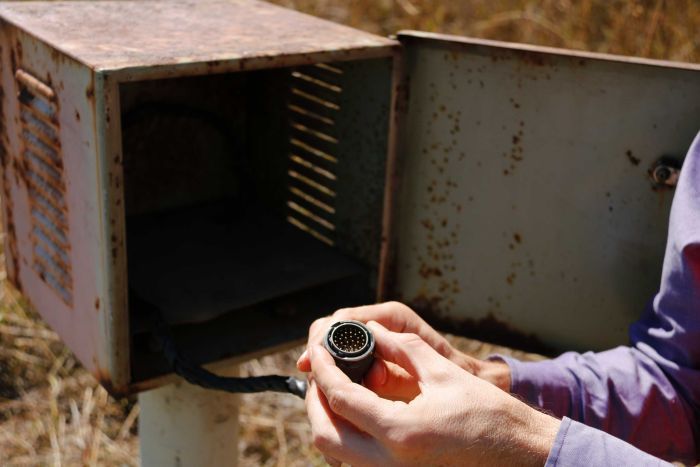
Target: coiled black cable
x: 197, y: 375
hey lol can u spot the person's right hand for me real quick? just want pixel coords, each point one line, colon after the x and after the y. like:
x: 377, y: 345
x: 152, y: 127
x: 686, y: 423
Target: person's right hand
x: 387, y: 379
x: 455, y: 419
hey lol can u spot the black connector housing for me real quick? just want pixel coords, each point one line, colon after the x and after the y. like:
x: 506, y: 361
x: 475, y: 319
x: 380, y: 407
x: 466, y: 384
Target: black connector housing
x: 351, y: 344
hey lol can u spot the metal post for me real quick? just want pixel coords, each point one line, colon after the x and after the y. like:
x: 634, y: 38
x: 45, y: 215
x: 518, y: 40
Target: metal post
x: 182, y: 425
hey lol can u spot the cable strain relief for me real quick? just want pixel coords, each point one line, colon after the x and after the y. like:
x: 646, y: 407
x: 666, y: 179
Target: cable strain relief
x: 297, y: 386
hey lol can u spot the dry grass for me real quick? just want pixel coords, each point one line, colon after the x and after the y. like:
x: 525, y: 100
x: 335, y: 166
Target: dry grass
x: 665, y: 29
x: 53, y: 413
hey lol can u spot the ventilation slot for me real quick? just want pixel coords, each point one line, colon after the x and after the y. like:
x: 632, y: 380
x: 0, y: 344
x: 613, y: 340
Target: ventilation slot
x: 41, y: 166
x: 314, y: 104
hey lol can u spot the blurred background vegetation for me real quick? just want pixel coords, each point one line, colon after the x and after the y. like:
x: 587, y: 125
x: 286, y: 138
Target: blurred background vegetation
x: 664, y: 29
x: 52, y: 412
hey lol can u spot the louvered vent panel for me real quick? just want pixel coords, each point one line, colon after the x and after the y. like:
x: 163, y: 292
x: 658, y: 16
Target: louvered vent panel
x: 41, y: 165
x: 314, y: 104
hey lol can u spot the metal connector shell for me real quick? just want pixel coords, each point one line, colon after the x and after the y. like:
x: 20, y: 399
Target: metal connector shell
x: 351, y: 344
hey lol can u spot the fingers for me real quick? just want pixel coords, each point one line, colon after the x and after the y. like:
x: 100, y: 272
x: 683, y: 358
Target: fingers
x: 409, y: 352
x: 390, y: 381
x: 317, y: 330
x: 394, y: 316
x: 303, y: 363
x: 337, y: 439
x: 353, y: 402
x: 397, y: 317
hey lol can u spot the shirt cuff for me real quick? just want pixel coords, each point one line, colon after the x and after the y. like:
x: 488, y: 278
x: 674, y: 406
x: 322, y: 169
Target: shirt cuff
x: 544, y: 384
x: 514, y: 365
x: 577, y: 444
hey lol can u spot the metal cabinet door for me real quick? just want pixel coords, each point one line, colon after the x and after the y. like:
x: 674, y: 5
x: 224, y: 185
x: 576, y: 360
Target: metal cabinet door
x: 52, y: 182
x: 524, y: 211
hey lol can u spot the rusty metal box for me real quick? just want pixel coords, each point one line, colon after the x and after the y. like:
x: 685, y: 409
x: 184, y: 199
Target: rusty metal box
x: 245, y: 169
x: 223, y: 161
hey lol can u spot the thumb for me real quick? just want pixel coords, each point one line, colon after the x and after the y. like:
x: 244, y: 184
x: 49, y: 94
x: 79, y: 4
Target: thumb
x: 304, y: 362
x: 410, y: 352
x: 390, y: 381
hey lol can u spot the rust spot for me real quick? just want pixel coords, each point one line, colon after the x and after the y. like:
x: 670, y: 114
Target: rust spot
x: 7, y: 163
x: 488, y: 328
x: 77, y: 116
x: 97, y: 303
x: 533, y: 58
x: 633, y: 160
x: 18, y: 48
x: 90, y: 92
x: 426, y: 271
x: 427, y: 224
x: 511, y: 278
x: 102, y: 376
x: 517, y: 238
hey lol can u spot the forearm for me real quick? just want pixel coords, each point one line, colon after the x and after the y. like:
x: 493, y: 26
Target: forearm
x: 496, y: 372
x: 580, y: 445
x: 529, y: 435
x: 538, y: 438
x: 621, y: 391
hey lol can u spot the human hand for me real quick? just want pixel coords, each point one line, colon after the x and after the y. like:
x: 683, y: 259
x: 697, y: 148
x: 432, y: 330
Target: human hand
x: 389, y: 380
x: 456, y: 419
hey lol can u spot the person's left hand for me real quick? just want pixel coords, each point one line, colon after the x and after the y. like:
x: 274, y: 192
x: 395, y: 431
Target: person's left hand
x: 456, y: 419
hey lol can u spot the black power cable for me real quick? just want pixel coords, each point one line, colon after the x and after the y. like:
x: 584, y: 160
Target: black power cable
x: 197, y: 375
x: 350, y: 343
x: 191, y: 372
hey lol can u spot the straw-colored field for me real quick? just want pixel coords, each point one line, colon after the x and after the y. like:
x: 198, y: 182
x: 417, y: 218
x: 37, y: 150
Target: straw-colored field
x: 53, y: 413
x: 650, y: 28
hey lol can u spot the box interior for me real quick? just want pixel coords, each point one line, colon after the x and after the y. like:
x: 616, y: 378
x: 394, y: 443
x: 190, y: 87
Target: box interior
x: 242, y: 214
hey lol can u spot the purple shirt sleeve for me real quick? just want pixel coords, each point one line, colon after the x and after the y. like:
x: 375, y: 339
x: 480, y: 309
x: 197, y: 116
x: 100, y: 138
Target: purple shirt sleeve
x: 580, y: 445
x: 647, y: 394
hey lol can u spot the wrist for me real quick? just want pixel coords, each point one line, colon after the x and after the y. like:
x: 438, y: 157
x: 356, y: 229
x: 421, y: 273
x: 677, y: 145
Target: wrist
x: 531, y: 435
x: 496, y: 372
x: 539, y: 435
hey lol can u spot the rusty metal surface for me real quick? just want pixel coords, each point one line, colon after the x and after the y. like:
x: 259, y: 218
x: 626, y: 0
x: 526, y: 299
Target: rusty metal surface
x: 41, y: 168
x: 524, y: 196
x: 64, y: 161
x: 139, y: 38
x: 75, y: 178
x: 363, y: 124
x: 52, y: 214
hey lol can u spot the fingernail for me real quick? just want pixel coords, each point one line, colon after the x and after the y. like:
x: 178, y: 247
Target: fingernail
x: 302, y: 357
x: 383, y: 373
